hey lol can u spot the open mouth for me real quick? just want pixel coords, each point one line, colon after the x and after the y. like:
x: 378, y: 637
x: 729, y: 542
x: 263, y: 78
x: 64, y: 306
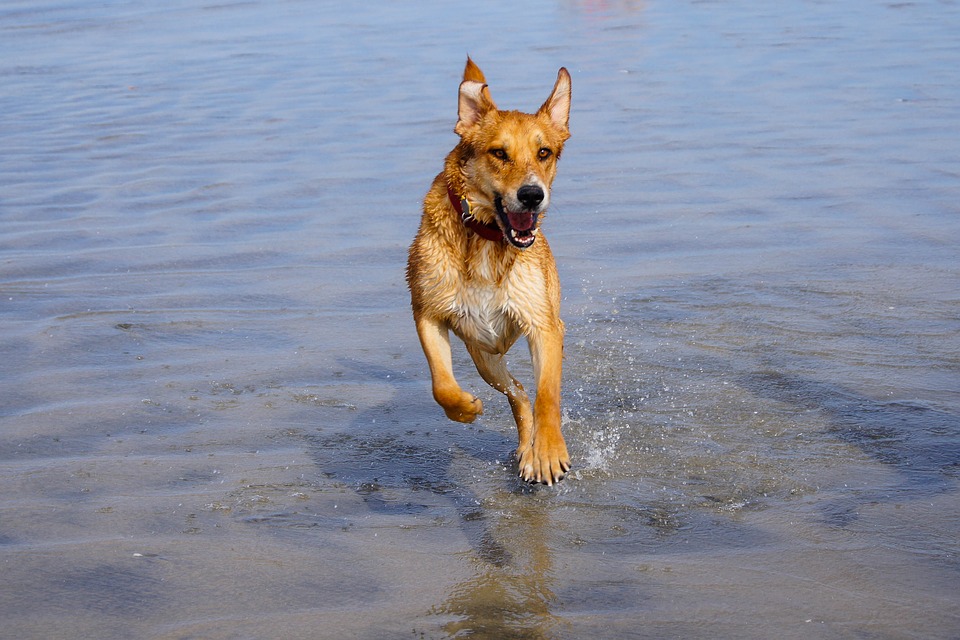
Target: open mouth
x: 520, y: 227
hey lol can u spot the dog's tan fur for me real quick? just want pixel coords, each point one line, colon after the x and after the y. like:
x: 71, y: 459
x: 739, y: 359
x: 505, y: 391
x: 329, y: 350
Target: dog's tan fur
x: 489, y: 293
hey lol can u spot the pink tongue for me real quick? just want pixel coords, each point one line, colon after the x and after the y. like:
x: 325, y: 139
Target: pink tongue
x: 520, y: 221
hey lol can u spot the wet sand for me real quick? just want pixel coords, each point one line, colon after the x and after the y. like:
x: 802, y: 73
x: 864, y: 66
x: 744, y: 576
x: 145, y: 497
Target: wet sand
x: 216, y: 420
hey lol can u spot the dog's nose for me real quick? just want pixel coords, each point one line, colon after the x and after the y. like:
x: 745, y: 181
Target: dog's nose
x: 530, y: 195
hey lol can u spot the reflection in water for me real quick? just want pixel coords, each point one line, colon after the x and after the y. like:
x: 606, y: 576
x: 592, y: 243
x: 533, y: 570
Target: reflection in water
x: 509, y: 592
x: 510, y: 595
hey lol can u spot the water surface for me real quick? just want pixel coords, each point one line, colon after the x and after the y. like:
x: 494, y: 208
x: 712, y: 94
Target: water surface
x: 215, y: 419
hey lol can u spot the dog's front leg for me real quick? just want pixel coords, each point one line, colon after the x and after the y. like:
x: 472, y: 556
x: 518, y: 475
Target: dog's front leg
x: 435, y: 340
x: 545, y: 458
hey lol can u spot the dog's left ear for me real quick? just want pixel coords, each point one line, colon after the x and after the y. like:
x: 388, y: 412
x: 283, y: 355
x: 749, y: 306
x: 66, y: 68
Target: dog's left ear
x: 557, y: 106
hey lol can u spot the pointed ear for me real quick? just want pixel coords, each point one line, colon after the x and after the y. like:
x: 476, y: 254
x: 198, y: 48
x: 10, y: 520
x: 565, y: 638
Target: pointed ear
x: 557, y: 106
x: 473, y: 72
x: 472, y: 106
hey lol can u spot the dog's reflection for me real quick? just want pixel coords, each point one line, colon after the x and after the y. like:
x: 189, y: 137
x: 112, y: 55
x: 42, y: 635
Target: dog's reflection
x: 511, y: 592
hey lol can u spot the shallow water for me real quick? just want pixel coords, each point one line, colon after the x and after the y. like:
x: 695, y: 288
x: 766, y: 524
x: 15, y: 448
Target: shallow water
x: 216, y: 419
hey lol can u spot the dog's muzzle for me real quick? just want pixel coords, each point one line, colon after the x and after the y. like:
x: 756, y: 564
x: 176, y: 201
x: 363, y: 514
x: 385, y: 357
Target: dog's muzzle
x: 520, y: 226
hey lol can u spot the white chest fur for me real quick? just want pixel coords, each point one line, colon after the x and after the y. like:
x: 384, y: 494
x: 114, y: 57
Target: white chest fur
x: 496, y: 301
x: 483, y: 315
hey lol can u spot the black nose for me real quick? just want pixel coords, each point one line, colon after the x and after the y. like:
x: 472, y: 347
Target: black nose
x: 530, y: 195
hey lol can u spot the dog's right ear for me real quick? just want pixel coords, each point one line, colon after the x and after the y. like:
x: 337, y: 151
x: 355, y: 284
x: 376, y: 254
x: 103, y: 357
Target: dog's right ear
x: 473, y: 104
x: 472, y: 72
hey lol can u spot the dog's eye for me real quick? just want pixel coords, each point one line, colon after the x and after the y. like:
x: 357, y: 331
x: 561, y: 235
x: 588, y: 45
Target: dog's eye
x: 499, y: 154
x: 544, y: 153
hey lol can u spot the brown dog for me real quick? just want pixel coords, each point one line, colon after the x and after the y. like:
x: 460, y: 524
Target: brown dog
x: 479, y: 266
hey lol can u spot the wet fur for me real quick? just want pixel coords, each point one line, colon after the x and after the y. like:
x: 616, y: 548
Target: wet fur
x: 489, y: 293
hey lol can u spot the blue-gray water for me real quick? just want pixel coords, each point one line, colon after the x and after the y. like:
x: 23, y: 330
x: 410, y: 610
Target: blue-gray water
x: 215, y: 419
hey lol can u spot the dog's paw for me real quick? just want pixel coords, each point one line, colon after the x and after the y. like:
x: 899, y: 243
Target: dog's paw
x: 466, y: 409
x: 544, y: 462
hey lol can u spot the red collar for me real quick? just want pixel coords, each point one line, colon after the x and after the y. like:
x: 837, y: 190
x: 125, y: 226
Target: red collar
x: 486, y: 231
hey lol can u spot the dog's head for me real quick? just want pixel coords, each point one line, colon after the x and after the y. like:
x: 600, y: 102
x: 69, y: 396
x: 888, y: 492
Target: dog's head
x: 509, y: 158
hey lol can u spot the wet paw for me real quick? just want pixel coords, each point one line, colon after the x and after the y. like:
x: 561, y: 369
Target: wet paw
x: 545, y: 463
x: 466, y: 409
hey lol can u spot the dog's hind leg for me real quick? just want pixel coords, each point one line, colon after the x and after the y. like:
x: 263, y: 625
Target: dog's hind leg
x: 435, y: 340
x: 493, y: 369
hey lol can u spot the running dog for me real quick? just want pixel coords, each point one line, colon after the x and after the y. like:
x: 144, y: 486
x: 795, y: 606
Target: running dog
x: 480, y: 267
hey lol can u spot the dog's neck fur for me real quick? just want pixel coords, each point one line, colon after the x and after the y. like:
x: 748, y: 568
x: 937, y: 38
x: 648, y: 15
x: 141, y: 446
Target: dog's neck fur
x: 489, y: 231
